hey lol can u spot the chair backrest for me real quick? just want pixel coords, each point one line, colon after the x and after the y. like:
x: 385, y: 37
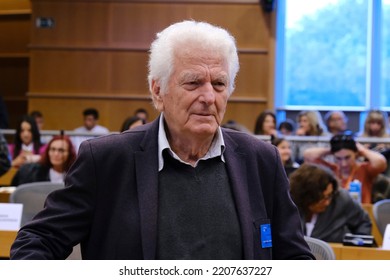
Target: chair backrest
x: 33, y: 196
x: 320, y: 249
x: 381, y: 211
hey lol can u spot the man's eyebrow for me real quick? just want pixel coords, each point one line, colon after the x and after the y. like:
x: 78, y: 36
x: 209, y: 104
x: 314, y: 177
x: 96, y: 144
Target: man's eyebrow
x: 221, y: 77
x: 188, y: 76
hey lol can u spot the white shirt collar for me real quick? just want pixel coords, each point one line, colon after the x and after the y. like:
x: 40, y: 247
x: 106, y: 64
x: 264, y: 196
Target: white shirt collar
x: 28, y: 148
x: 216, y: 150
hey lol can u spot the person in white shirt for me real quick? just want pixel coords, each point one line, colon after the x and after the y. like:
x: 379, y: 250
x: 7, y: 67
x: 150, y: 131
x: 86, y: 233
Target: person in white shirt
x: 91, y: 117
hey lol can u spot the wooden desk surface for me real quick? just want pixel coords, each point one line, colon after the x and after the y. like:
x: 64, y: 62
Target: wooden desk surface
x: 6, y: 240
x: 359, y: 253
x: 4, y: 197
x: 6, y: 179
x: 5, y: 193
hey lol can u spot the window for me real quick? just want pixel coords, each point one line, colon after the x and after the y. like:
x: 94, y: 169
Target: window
x: 333, y: 53
x: 385, y: 55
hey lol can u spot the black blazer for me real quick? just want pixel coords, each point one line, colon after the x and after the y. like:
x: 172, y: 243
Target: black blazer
x: 110, y: 201
x: 31, y: 172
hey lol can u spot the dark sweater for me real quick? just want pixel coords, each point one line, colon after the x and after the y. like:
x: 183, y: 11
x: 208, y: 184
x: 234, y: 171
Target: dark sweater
x: 197, y: 218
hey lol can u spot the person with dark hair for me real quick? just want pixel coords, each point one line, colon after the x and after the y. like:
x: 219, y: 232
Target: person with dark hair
x: 181, y: 186
x: 266, y: 124
x: 142, y: 114
x: 91, y: 118
x: 285, y: 152
x: 232, y: 124
x: 39, y: 119
x: 132, y: 122
x: 38, y: 116
x: 5, y: 161
x: 346, y: 164
x: 327, y: 212
x: 286, y: 127
x: 53, y: 165
x: 27, y: 145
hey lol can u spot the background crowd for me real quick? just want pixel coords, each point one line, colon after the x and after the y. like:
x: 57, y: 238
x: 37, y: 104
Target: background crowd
x: 320, y: 172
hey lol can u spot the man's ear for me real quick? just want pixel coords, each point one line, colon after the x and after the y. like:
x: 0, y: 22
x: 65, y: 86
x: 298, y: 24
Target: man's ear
x: 156, y: 96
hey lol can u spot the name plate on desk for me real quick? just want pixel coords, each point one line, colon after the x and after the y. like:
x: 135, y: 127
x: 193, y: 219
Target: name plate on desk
x: 358, y: 240
x: 10, y: 216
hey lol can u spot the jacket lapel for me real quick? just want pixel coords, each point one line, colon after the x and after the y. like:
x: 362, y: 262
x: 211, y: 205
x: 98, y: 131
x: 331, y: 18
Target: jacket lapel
x: 236, y: 166
x: 146, y: 164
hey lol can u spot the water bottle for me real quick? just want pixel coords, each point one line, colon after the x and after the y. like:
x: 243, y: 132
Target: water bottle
x: 355, y: 190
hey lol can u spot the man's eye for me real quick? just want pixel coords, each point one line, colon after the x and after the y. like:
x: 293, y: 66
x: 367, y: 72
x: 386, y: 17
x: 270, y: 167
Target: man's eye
x: 219, y: 85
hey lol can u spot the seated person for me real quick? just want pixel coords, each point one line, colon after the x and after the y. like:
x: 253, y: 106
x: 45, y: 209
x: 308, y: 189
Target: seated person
x: 346, y: 164
x: 309, y: 123
x: 27, y: 145
x: 286, y: 127
x: 5, y: 162
x: 266, y: 124
x: 232, y: 124
x: 285, y: 152
x: 142, y: 114
x: 90, y: 125
x: 53, y: 165
x: 327, y: 212
x: 132, y: 122
x: 336, y: 122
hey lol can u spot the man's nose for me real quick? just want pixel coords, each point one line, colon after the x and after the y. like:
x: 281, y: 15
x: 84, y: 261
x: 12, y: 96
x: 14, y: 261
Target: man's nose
x: 207, y: 94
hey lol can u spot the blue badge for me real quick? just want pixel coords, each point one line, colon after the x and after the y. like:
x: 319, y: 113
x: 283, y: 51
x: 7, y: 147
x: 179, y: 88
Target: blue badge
x: 265, y: 235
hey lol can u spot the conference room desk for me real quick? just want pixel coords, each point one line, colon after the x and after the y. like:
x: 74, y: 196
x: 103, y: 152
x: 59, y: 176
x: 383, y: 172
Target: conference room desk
x: 359, y: 253
x: 5, y: 193
x: 6, y: 240
x: 6, y: 179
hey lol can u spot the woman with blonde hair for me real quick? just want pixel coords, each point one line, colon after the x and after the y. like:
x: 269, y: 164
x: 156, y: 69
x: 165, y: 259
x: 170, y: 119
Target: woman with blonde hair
x: 375, y: 125
x: 310, y: 123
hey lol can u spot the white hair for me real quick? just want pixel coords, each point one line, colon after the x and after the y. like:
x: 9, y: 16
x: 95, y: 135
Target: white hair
x: 190, y: 33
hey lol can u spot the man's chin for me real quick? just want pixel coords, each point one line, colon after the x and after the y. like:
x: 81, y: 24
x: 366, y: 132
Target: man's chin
x: 205, y: 129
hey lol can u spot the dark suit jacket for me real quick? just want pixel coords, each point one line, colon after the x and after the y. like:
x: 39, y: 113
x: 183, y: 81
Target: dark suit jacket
x: 110, y: 203
x: 31, y: 172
